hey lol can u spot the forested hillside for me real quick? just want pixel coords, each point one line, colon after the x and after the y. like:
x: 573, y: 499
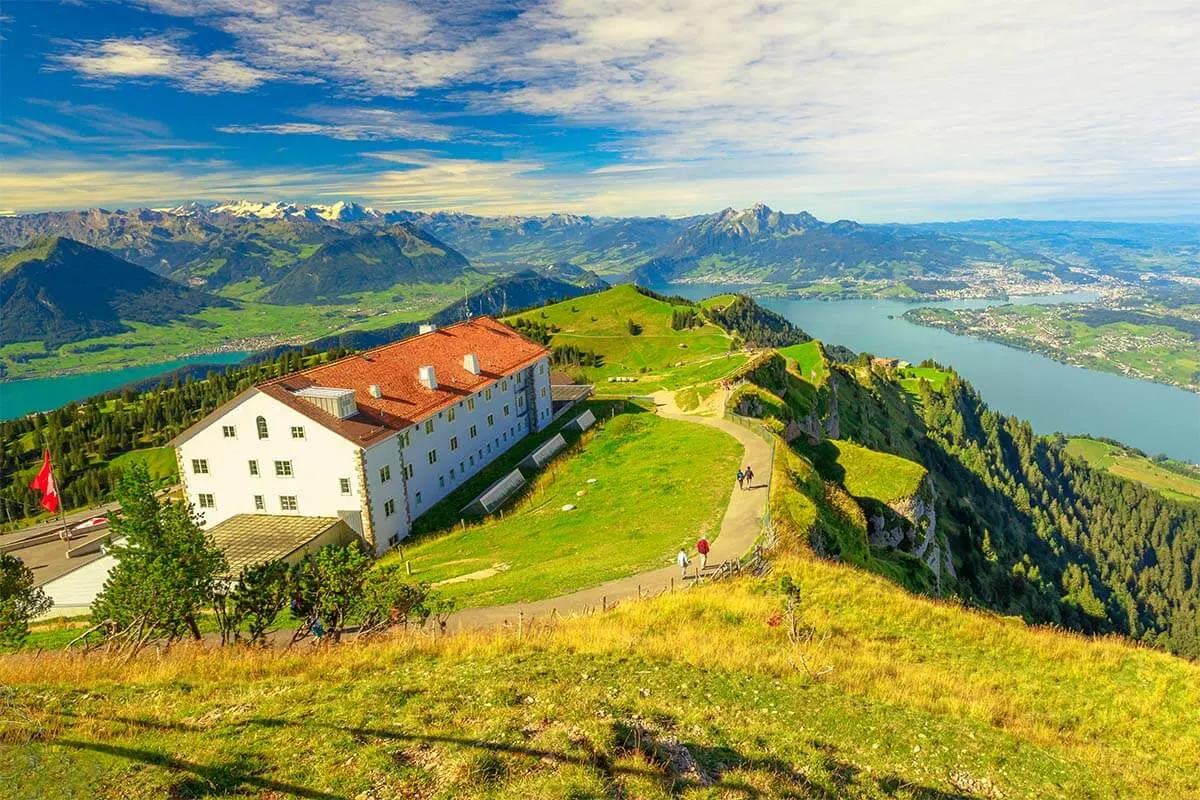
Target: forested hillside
x: 1032, y: 530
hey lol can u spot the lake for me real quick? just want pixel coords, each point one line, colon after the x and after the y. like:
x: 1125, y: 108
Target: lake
x: 1054, y: 397
x: 18, y: 398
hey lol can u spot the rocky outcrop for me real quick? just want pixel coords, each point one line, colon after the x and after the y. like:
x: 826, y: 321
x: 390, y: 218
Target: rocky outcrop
x: 910, y: 525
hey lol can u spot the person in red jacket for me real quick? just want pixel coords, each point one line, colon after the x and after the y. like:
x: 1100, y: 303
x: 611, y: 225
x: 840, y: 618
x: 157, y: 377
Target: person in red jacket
x: 702, y: 549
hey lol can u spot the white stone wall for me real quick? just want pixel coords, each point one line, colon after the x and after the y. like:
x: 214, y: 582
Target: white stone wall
x: 432, y: 482
x: 318, y: 461
x: 544, y: 405
x: 387, y: 529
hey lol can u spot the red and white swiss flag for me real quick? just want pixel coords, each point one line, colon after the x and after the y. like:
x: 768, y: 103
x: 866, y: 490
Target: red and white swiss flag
x: 44, y: 483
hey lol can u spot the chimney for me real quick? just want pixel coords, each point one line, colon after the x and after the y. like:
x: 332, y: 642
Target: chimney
x: 375, y: 391
x: 471, y: 363
x: 427, y: 328
x: 427, y: 377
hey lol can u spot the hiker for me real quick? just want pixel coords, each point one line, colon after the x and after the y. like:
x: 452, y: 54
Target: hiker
x: 702, y: 549
x: 741, y: 478
x: 749, y: 477
x: 682, y: 561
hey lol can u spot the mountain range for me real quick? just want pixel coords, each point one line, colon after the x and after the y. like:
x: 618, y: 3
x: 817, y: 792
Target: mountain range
x: 59, y: 290
x: 220, y: 245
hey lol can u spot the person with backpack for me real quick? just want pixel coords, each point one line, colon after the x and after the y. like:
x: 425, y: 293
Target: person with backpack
x: 749, y: 477
x: 741, y: 477
x: 702, y: 549
x: 682, y: 561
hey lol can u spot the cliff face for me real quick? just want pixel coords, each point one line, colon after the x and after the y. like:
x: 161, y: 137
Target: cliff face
x: 910, y: 526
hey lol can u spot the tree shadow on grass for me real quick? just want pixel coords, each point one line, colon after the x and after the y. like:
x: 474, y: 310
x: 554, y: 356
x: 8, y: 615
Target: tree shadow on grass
x: 232, y: 776
x: 660, y: 763
x: 713, y: 764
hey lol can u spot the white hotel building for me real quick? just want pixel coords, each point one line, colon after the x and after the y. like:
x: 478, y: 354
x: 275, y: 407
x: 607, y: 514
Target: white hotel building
x: 374, y: 439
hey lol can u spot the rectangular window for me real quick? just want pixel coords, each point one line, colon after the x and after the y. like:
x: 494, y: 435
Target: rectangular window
x: 259, y: 503
x: 441, y: 481
x: 229, y: 432
x: 491, y: 420
x: 428, y: 426
x: 452, y: 476
x: 283, y: 469
x: 200, y: 466
x: 504, y: 386
x: 389, y: 508
x: 453, y: 442
x: 253, y: 468
x: 487, y: 394
x: 472, y: 460
x: 470, y: 404
x: 506, y: 411
x: 405, y: 439
x: 344, y: 485
x: 207, y: 501
x: 287, y: 502
x: 473, y: 432
x: 408, y: 471
x: 418, y: 498
x: 385, y: 474
x: 297, y: 431
x: 450, y: 415
x: 432, y: 456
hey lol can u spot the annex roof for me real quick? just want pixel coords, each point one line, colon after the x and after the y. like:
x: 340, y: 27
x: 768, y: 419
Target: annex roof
x: 403, y: 400
x: 248, y: 540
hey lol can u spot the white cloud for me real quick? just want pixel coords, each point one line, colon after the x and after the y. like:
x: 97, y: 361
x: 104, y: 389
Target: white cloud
x: 113, y: 59
x: 354, y: 124
x: 874, y: 110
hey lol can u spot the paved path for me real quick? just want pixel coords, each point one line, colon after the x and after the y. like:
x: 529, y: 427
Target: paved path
x: 739, y: 529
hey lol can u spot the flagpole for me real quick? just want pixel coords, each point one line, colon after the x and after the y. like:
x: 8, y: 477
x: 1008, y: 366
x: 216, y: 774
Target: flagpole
x: 62, y: 517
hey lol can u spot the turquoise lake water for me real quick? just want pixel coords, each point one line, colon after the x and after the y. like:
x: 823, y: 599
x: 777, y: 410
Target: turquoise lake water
x: 18, y: 398
x: 1054, y: 397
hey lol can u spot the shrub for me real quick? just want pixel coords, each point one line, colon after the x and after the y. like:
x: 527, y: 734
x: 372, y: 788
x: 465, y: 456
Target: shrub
x: 20, y: 600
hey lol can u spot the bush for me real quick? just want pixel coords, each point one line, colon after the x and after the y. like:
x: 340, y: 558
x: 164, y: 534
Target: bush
x: 328, y: 588
x: 165, y: 572
x: 20, y: 600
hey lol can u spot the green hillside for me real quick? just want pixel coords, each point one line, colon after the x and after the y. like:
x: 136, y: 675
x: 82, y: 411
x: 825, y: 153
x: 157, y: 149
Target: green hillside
x: 59, y: 291
x: 653, y: 353
x: 882, y: 695
x: 869, y: 473
x: 626, y: 521
x: 1176, y: 484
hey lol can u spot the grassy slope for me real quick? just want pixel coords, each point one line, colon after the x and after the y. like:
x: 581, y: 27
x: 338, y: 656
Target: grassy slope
x: 869, y: 473
x: 888, y: 695
x: 810, y: 361
x: 659, y: 484
x: 599, y: 323
x: 1138, y: 468
x: 159, y: 460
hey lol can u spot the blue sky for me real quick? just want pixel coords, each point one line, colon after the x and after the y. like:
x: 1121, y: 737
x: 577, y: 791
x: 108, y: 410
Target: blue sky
x: 873, y: 110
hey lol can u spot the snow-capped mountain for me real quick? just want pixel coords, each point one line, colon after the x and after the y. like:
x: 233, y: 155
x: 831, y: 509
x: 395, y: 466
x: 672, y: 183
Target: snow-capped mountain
x: 341, y: 211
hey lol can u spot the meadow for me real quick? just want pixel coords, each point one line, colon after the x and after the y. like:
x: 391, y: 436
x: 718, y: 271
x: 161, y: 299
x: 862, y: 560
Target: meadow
x: 657, y: 484
x: 928, y: 701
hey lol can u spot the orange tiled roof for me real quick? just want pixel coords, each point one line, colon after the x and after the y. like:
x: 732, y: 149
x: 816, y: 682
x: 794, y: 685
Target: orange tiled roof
x: 395, y: 368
